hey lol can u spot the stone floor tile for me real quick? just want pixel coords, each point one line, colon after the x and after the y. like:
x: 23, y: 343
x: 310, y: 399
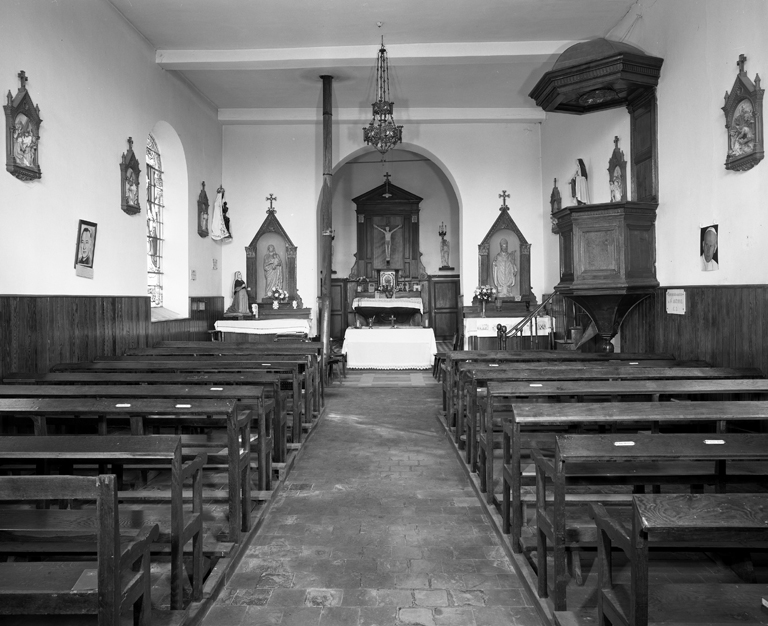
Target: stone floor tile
x: 244, y: 597
x: 394, y: 597
x: 416, y: 617
x: 340, y: 616
x: 412, y: 581
x: 359, y: 597
x: 506, y: 597
x: 263, y: 616
x: 430, y: 597
x: 453, y: 617
x: 305, y: 616
x: 323, y: 597
x: 225, y: 615
x: 287, y: 597
x: 378, y: 616
x: 462, y: 597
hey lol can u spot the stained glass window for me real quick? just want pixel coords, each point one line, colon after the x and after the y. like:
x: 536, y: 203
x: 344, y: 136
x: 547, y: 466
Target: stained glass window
x: 155, y: 206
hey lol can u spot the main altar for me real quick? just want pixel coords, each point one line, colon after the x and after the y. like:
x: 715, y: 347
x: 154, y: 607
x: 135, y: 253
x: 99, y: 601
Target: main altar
x: 390, y: 348
x: 401, y: 311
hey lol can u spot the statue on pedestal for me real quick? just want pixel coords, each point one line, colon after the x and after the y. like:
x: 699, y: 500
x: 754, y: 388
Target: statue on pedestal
x: 504, y: 270
x: 273, y: 271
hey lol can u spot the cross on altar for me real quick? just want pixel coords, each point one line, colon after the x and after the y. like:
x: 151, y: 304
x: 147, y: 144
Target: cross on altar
x: 742, y: 60
x: 504, y: 195
x: 271, y: 209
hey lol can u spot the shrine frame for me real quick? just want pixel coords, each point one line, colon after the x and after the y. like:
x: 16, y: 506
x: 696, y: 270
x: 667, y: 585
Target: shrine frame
x: 252, y: 266
x: 129, y: 162
x: 21, y: 104
x: 505, y: 222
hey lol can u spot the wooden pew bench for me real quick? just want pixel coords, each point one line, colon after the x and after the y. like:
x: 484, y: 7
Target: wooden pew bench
x: 203, y: 365
x: 119, y: 580
x: 250, y: 397
x: 454, y: 357
x: 536, y: 425
x: 202, y: 348
x: 139, y: 411
x: 640, y: 459
x: 176, y: 527
x: 501, y: 398
x: 473, y: 376
x: 271, y: 383
x: 692, y: 521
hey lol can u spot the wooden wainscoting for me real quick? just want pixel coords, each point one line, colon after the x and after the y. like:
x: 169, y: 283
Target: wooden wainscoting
x: 726, y: 326
x: 37, y: 332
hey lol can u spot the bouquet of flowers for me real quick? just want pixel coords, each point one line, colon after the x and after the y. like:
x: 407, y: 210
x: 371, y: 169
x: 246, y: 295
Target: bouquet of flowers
x: 485, y: 293
x: 278, y: 294
x: 387, y: 289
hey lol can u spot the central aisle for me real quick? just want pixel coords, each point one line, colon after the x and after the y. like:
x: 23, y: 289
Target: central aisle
x: 377, y: 525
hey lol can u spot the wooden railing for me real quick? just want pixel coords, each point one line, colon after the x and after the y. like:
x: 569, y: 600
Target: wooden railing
x: 502, y: 333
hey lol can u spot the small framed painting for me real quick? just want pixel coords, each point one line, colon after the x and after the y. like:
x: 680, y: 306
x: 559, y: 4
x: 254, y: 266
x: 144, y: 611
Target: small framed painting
x: 387, y: 278
x: 85, y: 248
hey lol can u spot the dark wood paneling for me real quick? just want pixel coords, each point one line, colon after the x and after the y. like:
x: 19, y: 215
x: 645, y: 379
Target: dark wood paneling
x: 37, y: 332
x: 443, y: 305
x: 723, y: 325
x: 207, y: 309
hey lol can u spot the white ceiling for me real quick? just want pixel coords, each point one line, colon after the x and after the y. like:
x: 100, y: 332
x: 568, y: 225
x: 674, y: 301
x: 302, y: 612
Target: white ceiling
x: 253, y: 58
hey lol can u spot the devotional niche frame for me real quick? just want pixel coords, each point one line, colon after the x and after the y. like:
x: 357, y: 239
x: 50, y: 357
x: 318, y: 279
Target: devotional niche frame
x: 743, y: 111
x: 22, y: 133
x: 253, y: 265
x: 504, y: 222
x: 129, y: 181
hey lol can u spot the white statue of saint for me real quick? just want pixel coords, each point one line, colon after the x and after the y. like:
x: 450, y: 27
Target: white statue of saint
x: 504, y: 270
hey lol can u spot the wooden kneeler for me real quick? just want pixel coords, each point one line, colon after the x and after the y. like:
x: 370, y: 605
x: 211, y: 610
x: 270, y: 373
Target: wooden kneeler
x: 122, y: 576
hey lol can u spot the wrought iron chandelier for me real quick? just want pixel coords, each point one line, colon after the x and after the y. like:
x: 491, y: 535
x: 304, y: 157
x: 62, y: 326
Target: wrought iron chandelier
x: 382, y: 133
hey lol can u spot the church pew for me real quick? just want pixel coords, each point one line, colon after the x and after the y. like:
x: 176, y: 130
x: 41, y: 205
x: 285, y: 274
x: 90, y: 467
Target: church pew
x: 471, y: 376
x: 614, y: 390
x: 692, y: 521
x: 250, y: 397
x: 594, y: 460
x: 270, y: 381
x: 175, y: 528
x: 204, y: 413
x: 453, y: 357
x: 536, y: 425
x: 64, y: 587
x: 268, y: 351
x: 202, y: 365
x: 300, y: 346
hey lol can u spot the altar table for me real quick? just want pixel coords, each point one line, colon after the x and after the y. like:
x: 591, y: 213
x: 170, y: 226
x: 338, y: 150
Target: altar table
x: 402, y: 308
x: 390, y: 348
x: 264, y: 327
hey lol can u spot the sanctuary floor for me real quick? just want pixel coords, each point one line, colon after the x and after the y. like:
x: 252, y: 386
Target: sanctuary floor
x: 377, y: 525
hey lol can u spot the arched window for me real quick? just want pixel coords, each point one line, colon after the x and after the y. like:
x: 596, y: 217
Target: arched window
x: 155, y: 207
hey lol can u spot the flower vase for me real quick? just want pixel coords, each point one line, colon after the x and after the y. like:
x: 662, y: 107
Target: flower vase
x: 482, y: 309
x: 275, y: 304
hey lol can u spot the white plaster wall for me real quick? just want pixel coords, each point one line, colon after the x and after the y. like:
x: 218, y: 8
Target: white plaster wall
x: 479, y: 161
x: 96, y: 83
x: 700, y: 41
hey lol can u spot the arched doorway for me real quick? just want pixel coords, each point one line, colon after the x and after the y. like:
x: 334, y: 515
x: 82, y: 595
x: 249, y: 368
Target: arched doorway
x: 422, y: 175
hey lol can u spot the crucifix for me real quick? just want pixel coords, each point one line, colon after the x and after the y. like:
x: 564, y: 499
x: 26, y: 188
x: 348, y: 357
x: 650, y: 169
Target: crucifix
x: 386, y: 193
x: 23, y: 78
x: 504, y: 195
x: 271, y: 209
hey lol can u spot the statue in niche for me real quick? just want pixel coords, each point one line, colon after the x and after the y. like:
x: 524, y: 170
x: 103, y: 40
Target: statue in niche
x: 504, y: 270
x: 273, y: 271
x: 387, y: 240
x: 131, y: 188
x: 579, y: 189
x: 239, y: 296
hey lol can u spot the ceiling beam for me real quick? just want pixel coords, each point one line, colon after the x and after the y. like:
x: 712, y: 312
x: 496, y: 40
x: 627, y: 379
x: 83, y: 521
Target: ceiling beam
x: 324, y: 57
x: 437, y: 115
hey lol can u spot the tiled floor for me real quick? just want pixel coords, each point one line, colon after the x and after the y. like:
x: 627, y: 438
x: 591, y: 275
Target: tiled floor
x: 377, y: 526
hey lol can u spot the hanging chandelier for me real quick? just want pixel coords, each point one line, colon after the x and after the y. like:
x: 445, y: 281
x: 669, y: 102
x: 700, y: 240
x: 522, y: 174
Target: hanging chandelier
x: 382, y: 133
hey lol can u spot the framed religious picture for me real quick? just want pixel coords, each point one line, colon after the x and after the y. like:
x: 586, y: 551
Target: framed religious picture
x: 710, y: 258
x: 129, y: 181
x: 617, y: 174
x: 743, y: 110
x: 85, y: 248
x: 387, y: 278
x: 22, y: 132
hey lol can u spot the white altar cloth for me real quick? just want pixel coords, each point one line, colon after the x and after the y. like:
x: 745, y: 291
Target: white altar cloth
x: 263, y: 327
x: 389, y: 303
x: 390, y: 348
